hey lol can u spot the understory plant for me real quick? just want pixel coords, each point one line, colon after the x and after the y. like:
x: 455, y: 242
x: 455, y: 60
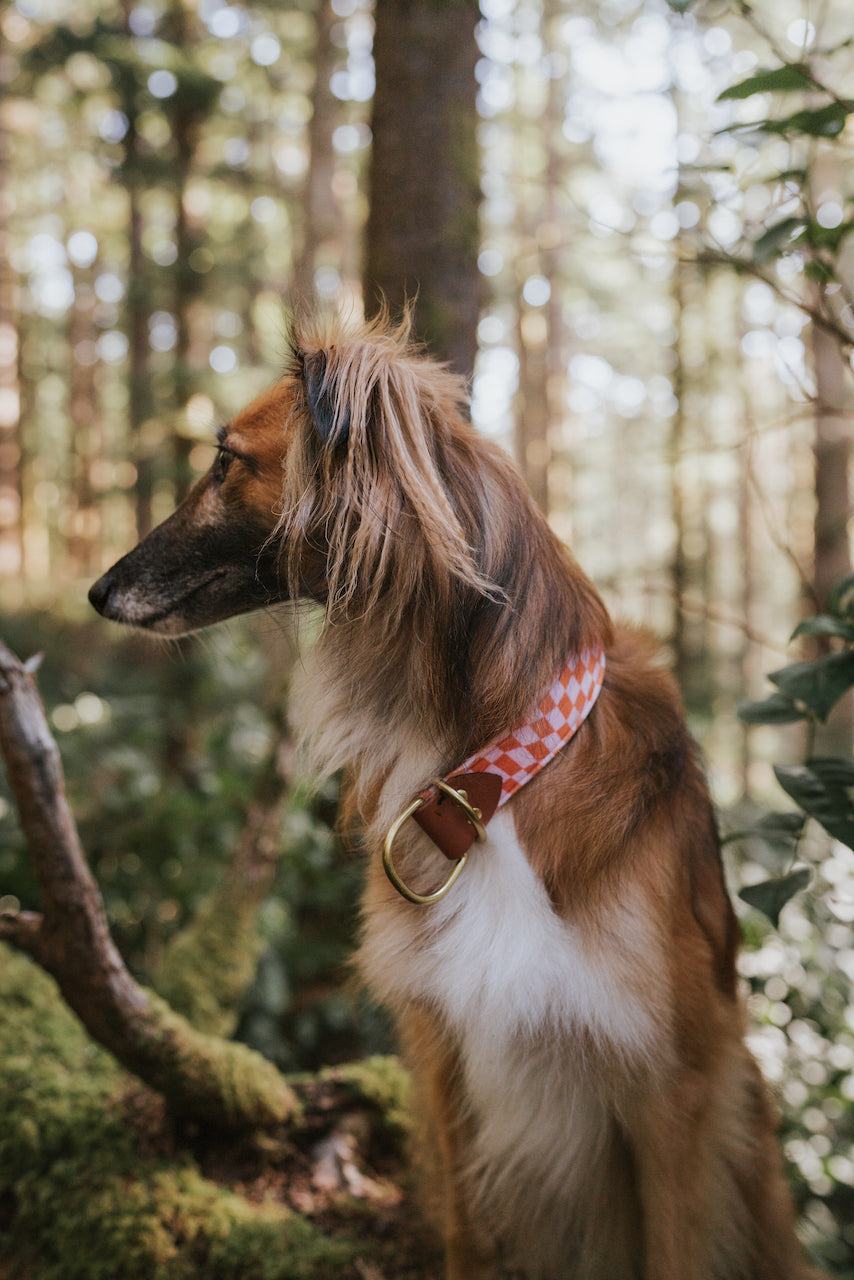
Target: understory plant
x: 822, y: 787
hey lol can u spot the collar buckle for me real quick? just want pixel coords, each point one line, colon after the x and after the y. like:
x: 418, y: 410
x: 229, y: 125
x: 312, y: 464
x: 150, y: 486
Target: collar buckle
x: 474, y: 817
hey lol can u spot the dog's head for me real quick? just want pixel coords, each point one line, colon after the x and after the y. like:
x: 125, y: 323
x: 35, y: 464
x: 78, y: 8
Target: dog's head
x: 349, y: 482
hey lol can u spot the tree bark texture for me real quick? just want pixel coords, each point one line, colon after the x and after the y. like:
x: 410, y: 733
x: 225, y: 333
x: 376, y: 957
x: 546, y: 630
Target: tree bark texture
x: 422, y: 231
x: 832, y: 451
x: 200, y: 1076
x: 319, y: 208
x: 832, y: 455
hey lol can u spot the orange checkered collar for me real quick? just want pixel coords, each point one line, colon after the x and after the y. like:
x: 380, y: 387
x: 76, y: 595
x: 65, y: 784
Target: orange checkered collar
x: 455, y: 809
x: 517, y: 756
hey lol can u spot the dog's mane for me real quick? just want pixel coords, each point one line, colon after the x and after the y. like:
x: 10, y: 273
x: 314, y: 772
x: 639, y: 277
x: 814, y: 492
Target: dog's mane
x: 447, y: 596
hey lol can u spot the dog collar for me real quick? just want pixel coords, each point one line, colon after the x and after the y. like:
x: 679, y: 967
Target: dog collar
x: 454, y: 810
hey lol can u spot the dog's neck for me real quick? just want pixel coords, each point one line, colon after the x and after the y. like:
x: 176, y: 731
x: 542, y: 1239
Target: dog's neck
x: 450, y: 678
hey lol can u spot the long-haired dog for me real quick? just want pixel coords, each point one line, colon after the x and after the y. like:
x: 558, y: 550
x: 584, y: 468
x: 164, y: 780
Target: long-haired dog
x: 565, y: 988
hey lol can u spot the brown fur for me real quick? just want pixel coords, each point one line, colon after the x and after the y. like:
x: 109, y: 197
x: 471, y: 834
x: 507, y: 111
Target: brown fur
x: 450, y: 605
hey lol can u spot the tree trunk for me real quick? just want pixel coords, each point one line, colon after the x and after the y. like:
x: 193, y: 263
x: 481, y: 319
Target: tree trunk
x: 321, y: 215
x: 11, y: 533
x: 832, y: 455
x: 422, y: 232
x: 832, y: 452
x: 185, y: 119
x: 84, y: 411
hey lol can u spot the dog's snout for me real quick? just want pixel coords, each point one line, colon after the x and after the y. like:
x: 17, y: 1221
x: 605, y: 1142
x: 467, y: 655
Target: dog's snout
x: 100, y: 592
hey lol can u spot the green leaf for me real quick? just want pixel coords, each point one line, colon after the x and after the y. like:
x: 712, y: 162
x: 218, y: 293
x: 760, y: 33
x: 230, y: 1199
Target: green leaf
x: 841, y: 603
x: 824, y: 625
x: 817, y: 685
x: 829, y: 237
x: 776, y: 709
x: 788, y: 79
x: 771, y: 896
x: 778, y: 237
x: 817, y: 122
x: 781, y: 831
x: 823, y: 789
x: 820, y: 271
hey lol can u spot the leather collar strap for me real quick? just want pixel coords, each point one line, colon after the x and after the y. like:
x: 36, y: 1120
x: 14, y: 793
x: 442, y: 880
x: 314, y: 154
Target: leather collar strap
x: 491, y: 776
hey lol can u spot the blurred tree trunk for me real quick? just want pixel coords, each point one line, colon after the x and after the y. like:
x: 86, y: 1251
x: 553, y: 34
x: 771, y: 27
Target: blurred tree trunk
x: 751, y: 676
x: 84, y: 519
x: 422, y: 236
x: 187, y: 109
x: 832, y: 456
x: 532, y: 417
x: 678, y: 499
x: 11, y: 550
x: 542, y: 332
x: 140, y: 395
x: 321, y: 215
x: 140, y: 398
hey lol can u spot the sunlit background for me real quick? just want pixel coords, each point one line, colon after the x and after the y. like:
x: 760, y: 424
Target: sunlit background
x: 661, y: 398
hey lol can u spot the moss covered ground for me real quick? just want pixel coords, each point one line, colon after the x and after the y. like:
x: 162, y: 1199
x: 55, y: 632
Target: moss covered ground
x: 97, y: 1184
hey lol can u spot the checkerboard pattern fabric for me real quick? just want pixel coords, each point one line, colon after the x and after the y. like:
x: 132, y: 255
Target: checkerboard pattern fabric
x: 520, y: 754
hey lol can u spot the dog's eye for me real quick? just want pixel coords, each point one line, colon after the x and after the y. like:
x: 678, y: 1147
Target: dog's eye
x: 222, y: 462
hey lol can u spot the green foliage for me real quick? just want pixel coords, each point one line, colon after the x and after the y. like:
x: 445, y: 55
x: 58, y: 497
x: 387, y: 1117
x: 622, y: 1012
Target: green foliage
x: 163, y: 750
x: 820, y: 787
x: 824, y: 626
x: 799, y: 964
x: 771, y: 896
x: 817, y: 124
x: 207, y: 969
x: 82, y: 1198
x: 300, y: 1011
x: 842, y: 599
x: 383, y: 1083
x: 816, y: 686
x: 778, y: 236
x: 786, y: 79
x: 775, y: 709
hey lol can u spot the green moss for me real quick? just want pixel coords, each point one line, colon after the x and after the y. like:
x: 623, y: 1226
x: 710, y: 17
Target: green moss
x: 384, y: 1083
x: 208, y: 967
x: 204, y: 1075
x: 83, y: 1202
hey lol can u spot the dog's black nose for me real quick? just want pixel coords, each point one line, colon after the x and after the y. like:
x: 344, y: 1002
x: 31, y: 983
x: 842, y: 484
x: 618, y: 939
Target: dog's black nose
x: 99, y: 594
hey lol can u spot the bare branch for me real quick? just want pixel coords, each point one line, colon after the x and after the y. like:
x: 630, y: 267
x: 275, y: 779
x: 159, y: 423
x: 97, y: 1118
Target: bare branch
x: 720, y: 258
x: 22, y: 929
x: 199, y: 1075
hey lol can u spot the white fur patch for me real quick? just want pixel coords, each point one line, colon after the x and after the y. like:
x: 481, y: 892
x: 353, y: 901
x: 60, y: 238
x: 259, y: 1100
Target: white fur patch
x: 516, y: 985
x: 494, y: 955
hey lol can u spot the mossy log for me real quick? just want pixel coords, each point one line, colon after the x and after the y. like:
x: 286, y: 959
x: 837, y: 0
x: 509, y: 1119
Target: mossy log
x: 97, y: 1182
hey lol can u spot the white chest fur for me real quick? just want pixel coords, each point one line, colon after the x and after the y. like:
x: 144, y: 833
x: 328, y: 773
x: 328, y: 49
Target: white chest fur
x: 521, y: 991
x: 498, y: 963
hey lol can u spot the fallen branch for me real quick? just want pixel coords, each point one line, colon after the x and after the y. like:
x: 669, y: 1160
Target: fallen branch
x: 200, y: 1076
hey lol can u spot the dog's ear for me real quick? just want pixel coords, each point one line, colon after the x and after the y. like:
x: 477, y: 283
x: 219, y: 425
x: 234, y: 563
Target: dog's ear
x: 333, y: 423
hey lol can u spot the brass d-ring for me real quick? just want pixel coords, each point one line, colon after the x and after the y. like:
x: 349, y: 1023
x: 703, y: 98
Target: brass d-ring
x: 474, y: 816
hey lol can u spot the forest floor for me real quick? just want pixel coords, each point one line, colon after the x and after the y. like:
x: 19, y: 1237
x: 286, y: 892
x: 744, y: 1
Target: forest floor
x: 349, y: 1183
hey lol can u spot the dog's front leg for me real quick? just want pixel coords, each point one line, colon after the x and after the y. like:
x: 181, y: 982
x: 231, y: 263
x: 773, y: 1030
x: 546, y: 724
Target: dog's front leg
x: 712, y: 1201
x: 470, y: 1250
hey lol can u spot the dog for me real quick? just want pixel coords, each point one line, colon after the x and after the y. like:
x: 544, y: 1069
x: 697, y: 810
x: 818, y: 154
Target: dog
x: 561, y: 967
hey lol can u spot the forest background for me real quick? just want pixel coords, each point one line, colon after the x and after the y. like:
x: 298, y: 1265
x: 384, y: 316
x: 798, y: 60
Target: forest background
x: 628, y: 223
